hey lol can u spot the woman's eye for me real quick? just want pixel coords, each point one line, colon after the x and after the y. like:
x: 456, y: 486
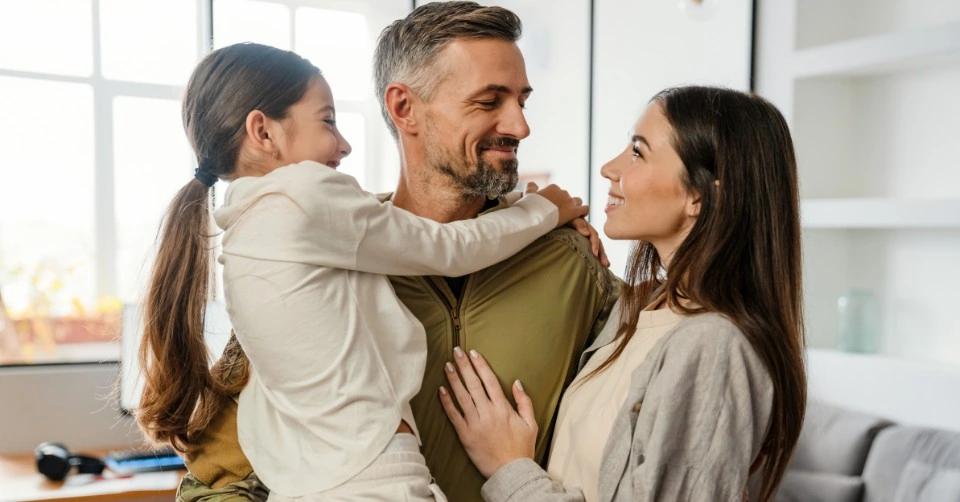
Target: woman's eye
x: 636, y: 151
x: 333, y: 123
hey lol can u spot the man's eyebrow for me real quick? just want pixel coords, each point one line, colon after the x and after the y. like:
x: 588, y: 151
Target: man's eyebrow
x: 638, y: 138
x: 502, y: 89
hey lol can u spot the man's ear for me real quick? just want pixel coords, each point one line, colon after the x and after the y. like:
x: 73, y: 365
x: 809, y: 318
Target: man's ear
x: 258, y: 134
x: 399, y: 101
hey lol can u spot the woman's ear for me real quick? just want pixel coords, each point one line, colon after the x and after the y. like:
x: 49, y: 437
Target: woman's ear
x: 694, y: 201
x: 399, y: 101
x: 693, y: 204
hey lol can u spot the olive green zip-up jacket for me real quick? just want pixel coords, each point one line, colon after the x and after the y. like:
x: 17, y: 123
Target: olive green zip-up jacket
x: 530, y: 315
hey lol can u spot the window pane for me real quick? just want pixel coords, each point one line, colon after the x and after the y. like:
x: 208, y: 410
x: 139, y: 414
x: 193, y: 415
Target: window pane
x: 251, y: 21
x: 149, y: 41
x: 47, y: 243
x: 339, y: 43
x: 152, y: 160
x: 47, y: 36
x: 353, y: 128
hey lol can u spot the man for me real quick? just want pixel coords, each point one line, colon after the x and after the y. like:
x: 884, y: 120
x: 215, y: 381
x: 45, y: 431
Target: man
x: 453, y: 86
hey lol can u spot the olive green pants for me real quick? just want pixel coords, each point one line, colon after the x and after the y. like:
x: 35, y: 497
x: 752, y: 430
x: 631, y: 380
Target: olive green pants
x: 250, y: 488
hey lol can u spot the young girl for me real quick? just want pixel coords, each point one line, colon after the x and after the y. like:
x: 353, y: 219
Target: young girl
x: 701, y: 383
x: 335, y: 356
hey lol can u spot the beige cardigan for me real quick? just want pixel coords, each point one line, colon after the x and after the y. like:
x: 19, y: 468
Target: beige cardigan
x: 694, y: 421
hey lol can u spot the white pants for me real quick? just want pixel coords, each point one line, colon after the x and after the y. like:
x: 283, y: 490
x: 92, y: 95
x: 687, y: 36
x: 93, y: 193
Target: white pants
x: 399, y: 474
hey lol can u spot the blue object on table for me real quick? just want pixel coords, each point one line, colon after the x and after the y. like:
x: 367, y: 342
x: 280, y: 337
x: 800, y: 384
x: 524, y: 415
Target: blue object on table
x: 133, y: 461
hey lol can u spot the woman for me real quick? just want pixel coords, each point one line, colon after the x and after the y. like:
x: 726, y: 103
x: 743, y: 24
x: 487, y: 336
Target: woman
x: 701, y: 383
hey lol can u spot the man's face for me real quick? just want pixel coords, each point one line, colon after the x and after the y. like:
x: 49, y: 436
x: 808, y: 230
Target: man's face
x: 474, y: 122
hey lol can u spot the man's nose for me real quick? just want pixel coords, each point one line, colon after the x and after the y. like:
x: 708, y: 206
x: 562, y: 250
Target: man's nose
x: 513, y: 123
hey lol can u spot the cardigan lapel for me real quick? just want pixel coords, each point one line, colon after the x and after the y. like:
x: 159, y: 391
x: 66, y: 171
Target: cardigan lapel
x: 606, y: 336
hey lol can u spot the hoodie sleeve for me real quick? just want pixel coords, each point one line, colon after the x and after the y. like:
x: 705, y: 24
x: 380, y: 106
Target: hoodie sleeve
x: 309, y: 213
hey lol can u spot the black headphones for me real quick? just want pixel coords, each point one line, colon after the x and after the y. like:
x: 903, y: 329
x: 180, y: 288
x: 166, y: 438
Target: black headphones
x: 54, y: 461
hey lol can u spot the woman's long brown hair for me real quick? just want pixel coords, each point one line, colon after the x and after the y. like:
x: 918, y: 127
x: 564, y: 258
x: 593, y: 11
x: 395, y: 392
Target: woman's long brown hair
x: 742, y: 258
x: 182, y: 394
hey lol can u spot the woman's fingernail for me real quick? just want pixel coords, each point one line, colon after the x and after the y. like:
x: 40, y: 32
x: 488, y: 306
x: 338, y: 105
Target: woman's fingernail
x: 474, y: 354
x: 519, y: 385
x: 443, y: 392
x: 448, y: 367
x: 457, y: 351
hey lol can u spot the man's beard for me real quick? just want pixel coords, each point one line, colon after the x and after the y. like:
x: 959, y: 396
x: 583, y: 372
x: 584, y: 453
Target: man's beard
x: 482, y: 179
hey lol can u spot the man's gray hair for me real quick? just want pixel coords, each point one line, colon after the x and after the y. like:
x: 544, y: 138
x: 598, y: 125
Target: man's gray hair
x: 407, y: 49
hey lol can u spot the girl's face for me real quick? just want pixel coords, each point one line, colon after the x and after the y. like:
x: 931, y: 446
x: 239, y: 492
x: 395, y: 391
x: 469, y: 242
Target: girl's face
x: 309, y: 132
x: 648, y: 200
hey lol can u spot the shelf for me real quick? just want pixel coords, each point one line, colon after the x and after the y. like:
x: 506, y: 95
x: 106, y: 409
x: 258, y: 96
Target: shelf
x: 882, y: 53
x: 880, y: 213
x: 903, y: 390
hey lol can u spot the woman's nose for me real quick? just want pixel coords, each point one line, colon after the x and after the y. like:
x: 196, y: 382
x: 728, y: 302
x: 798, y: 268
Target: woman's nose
x: 610, y: 171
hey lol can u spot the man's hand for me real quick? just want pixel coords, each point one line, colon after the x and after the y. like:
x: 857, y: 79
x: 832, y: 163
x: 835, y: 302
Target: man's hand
x: 491, y: 431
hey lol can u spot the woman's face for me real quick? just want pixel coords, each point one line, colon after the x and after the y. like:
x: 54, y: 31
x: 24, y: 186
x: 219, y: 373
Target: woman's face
x: 648, y: 200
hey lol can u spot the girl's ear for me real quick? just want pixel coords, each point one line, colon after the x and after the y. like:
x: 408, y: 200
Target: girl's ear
x: 399, y: 101
x: 258, y: 127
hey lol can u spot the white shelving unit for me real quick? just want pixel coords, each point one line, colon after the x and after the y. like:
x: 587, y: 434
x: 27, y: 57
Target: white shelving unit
x: 880, y: 213
x: 898, y: 51
x: 888, y: 387
x: 871, y: 89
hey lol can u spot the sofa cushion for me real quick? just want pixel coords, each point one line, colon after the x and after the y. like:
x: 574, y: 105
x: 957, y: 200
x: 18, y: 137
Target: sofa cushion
x: 807, y: 486
x: 835, y: 440
x: 922, y: 482
x: 895, y: 447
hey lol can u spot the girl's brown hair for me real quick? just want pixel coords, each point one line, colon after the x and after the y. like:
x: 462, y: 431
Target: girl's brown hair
x: 742, y: 258
x: 182, y: 393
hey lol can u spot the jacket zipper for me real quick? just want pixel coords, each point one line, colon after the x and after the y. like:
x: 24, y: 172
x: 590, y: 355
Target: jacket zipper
x: 451, y: 304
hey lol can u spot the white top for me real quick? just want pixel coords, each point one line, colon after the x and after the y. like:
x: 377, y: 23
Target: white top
x: 336, y: 357
x: 590, y: 407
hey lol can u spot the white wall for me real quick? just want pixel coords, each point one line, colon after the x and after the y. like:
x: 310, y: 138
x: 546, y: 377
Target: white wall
x: 72, y: 404
x: 555, y: 47
x: 643, y: 46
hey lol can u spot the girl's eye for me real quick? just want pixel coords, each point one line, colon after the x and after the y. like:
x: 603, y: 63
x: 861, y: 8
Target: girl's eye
x: 333, y: 123
x: 636, y: 151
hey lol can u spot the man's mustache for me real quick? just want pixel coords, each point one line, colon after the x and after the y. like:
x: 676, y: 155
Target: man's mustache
x: 499, y: 142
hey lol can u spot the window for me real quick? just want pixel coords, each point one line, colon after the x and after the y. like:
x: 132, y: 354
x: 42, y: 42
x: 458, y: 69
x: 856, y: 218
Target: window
x: 93, y: 88
x: 98, y: 150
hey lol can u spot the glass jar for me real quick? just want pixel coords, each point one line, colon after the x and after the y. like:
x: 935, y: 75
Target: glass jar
x: 857, y: 321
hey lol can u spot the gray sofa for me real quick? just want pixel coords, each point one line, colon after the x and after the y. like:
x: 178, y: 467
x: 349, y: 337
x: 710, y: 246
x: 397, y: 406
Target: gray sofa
x: 846, y: 456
